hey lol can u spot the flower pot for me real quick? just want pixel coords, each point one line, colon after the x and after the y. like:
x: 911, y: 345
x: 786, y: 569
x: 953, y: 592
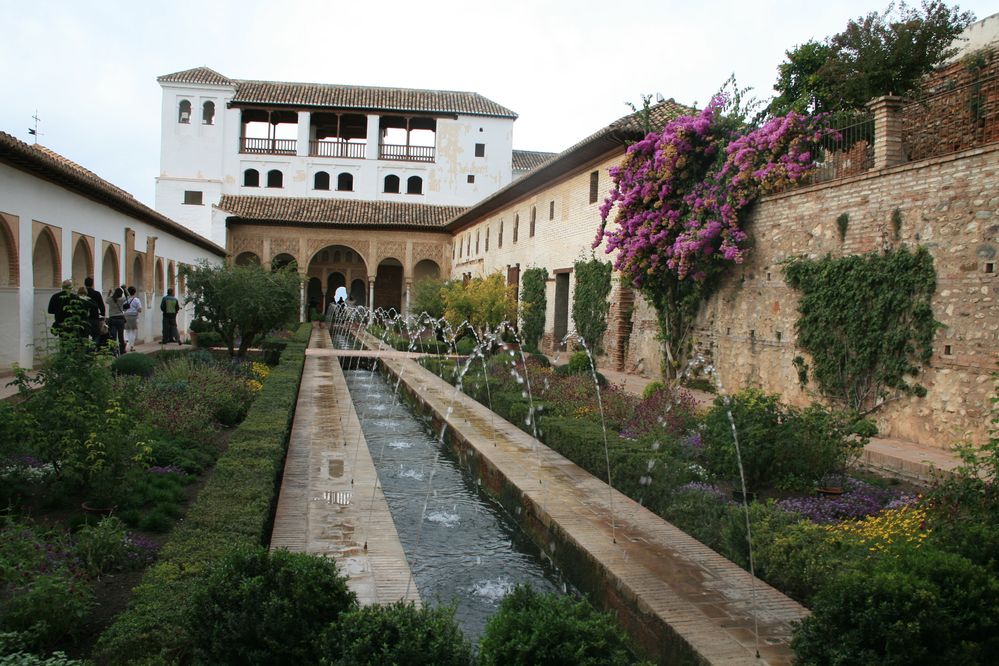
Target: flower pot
x: 830, y: 491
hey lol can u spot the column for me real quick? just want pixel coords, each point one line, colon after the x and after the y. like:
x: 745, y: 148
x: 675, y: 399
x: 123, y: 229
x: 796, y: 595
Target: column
x: 374, y: 138
x: 405, y: 296
x: 304, y: 133
x: 888, y: 148
x: 301, y: 299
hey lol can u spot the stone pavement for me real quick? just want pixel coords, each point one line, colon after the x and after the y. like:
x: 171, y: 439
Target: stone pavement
x: 330, y: 501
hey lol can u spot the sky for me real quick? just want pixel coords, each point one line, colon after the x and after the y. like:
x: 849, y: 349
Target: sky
x: 567, y: 67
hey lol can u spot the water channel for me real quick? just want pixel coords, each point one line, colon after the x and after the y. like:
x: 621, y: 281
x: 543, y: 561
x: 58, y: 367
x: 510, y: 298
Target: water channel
x: 461, y: 546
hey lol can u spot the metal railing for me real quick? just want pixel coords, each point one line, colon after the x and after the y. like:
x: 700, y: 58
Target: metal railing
x: 267, y: 146
x: 389, y: 151
x: 850, y: 151
x: 948, y: 121
x: 337, y: 149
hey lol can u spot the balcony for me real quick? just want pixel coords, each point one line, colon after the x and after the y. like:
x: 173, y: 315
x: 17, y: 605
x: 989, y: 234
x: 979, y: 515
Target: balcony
x: 337, y: 149
x: 388, y: 151
x: 267, y: 146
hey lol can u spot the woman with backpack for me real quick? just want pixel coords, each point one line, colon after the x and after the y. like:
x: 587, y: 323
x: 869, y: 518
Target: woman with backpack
x: 134, y: 307
x: 116, y: 305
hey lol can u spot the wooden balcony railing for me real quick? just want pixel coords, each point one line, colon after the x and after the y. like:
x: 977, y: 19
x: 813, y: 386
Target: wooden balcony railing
x: 337, y: 149
x: 267, y: 146
x: 388, y: 151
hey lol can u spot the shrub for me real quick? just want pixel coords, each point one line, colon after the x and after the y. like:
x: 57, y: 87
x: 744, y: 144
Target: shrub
x: 531, y: 628
x: 925, y: 607
x: 209, y: 339
x: 651, y: 388
x: 103, y: 548
x: 399, y: 633
x: 580, y: 363
x: 14, y: 652
x: 465, y: 346
x: 136, y: 364
x: 540, y: 360
x: 532, y: 306
x: 49, y: 608
x: 699, y: 509
x: 668, y: 411
x: 261, y: 607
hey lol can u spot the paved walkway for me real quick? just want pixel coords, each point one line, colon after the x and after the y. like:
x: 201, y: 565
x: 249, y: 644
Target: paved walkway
x: 666, y: 577
x: 330, y: 501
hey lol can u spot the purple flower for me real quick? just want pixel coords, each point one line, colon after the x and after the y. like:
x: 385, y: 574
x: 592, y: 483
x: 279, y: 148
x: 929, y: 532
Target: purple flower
x: 169, y: 469
x: 859, y: 500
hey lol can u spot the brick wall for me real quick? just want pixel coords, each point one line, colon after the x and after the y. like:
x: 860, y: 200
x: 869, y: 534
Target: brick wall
x: 950, y: 205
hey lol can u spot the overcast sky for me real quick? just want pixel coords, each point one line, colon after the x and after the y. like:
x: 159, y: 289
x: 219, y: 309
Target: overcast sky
x: 567, y: 67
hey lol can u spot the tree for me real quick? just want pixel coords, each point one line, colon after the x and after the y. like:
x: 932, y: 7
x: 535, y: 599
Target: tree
x: 484, y: 303
x: 877, y: 54
x: 590, y: 305
x: 428, y: 296
x: 533, y: 304
x: 243, y: 303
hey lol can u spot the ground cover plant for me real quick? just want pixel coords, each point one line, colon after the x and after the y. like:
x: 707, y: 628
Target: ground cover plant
x: 96, y: 462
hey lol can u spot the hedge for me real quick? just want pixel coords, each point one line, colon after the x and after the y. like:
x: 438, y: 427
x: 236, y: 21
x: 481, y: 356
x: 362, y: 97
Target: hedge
x: 234, y: 509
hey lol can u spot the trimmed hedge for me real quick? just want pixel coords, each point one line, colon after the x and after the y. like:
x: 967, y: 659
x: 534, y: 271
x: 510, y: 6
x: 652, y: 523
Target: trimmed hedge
x: 234, y: 509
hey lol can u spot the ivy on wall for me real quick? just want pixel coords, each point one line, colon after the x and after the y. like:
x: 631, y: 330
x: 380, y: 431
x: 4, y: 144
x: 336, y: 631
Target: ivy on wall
x: 590, y: 305
x: 867, y: 322
x: 533, y: 304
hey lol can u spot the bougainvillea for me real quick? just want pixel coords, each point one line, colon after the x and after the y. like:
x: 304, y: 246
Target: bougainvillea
x: 679, y: 196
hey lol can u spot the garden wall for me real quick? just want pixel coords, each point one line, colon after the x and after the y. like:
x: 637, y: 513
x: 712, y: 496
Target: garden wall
x: 948, y: 204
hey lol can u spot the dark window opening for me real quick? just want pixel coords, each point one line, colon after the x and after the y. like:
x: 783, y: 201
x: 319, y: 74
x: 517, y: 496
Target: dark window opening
x: 345, y: 182
x: 184, y: 115
x: 990, y: 267
x: 414, y: 185
x: 948, y: 351
x: 410, y: 139
x: 461, y: 248
x: 468, y: 239
x: 193, y: 198
x: 551, y: 210
x: 480, y: 150
x: 321, y: 181
x: 594, y: 186
x: 487, y: 239
x: 779, y: 336
x: 392, y: 184
x: 476, y: 242
x: 251, y: 178
x: 471, y: 178
x: 516, y: 227
x: 275, y: 178
x: 208, y: 113
x: 338, y: 135
x: 499, y: 243
x: 534, y: 217
x: 268, y: 132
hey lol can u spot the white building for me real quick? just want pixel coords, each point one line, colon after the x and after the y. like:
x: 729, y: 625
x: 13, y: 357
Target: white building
x: 60, y: 221
x: 224, y: 136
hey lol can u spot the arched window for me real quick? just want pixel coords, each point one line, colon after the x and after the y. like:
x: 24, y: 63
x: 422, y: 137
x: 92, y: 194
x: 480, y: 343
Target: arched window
x: 321, y: 181
x: 534, y: 218
x: 392, y: 184
x: 345, y: 182
x: 208, y: 113
x: 251, y: 178
x: 184, y: 116
x: 414, y: 185
x: 516, y: 227
x: 275, y: 178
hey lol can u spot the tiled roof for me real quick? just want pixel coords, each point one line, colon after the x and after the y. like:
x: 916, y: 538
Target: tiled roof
x: 614, y: 136
x: 197, y: 75
x: 338, y: 212
x: 525, y: 160
x: 362, y: 98
x: 53, y: 167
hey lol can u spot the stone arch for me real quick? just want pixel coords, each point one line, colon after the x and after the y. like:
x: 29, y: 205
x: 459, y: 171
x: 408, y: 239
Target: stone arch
x: 337, y: 253
x: 83, y: 260
x: 247, y: 259
x: 281, y: 260
x: 426, y: 268
x: 45, y: 264
x: 109, y: 269
x: 158, y: 276
x: 334, y: 280
x: 388, y: 284
x: 138, y: 274
x: 171, y: 273
x: 359, y: 292
x: 9, y: 271
x: 314, y: 294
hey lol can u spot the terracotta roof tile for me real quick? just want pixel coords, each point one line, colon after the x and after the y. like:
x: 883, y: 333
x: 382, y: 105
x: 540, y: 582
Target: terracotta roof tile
x: 196, y: 75
x: 338, y: 212
x: 525, y: 160
x: 53, y: 167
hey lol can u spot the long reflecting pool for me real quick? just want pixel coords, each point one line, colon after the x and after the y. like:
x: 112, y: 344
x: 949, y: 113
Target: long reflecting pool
x: 461, y: 546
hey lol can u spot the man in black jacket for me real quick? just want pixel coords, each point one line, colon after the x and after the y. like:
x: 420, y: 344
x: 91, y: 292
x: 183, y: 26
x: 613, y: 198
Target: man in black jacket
x: 96, y: 315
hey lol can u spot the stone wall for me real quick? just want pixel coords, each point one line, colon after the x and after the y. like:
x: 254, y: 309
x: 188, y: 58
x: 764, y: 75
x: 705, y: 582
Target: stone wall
x: 950, y: 205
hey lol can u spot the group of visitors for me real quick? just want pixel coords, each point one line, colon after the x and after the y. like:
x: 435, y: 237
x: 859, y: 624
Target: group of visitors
x: 116, y: 320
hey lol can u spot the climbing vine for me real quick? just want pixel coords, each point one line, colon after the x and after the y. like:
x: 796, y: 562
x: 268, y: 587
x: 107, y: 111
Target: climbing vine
x: 867, y: 322
x: 590, y: 305
x: 679, y: 198
x: 533, y: 304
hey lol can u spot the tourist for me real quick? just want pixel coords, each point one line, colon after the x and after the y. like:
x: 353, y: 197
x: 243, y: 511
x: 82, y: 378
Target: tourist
x: 97, y: 313
x: 116, y: 318
x: 169, y: 306
x: 132, y: 319
x: 58, y: 306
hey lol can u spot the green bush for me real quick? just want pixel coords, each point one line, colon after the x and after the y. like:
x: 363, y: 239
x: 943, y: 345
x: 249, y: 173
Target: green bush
x: 209, y: 339
x: 260, y: 607
x: 465, y: 346
x: 103, y: 548
x: 199, y: 326
x: 399, y: 633
x: 579, y: 363
x: 14, y: 651
x: 532, y: 628
x: 700, y: 511
x: 539, y: 359
x: 233, y: 509
x: 272, y: 348
x: 924, y: 607
x: 135, y: 363
x: 651, y: 388
x: 50, y: 608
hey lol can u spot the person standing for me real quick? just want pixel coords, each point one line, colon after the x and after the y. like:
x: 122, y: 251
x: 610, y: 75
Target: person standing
x: 116, y: 318
x: 58, y: 306
x: 97, y: 313
x: 132, y: 319
x: 169, y: 306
